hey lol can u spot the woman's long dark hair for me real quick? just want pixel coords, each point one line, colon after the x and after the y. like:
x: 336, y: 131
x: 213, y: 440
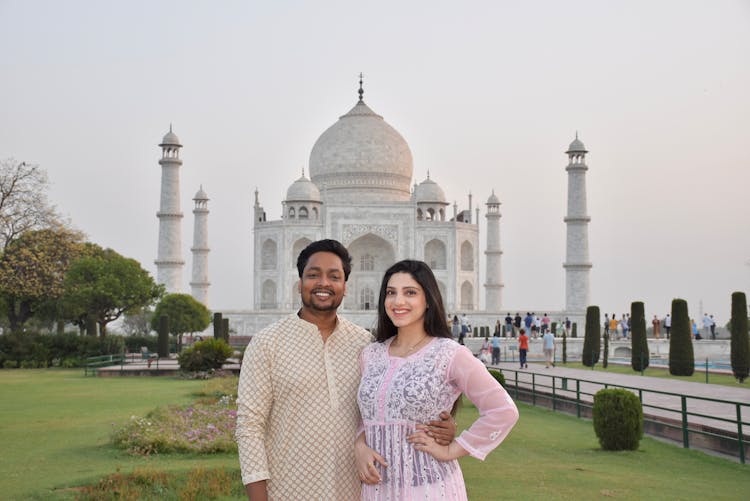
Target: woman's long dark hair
x: 434, y: 317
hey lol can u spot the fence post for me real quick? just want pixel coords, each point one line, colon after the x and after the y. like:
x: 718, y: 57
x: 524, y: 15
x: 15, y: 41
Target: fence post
x: 554, y: 394
x: 706, y: 370
x: 578, y: 398
x: 685, y: 441
x: 740, y: 440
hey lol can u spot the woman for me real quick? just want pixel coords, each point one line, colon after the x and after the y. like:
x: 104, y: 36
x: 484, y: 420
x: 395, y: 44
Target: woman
x: 409, y: 375
x: 455, y: 327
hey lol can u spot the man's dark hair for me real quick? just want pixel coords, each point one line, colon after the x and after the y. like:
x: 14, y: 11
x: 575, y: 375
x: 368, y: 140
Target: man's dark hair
x: 435, y: 324
x: 326, y: 245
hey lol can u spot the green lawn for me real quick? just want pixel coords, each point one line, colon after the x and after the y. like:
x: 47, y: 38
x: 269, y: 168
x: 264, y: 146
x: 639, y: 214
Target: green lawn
x: 699, y: 376
x: 55, y: 425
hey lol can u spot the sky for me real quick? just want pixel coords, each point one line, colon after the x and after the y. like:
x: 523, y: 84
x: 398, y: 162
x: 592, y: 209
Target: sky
x: 488, y: 94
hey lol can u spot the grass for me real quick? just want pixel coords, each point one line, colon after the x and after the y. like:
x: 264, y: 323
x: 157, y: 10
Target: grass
x: 699, y: 376
x: 55, y: 427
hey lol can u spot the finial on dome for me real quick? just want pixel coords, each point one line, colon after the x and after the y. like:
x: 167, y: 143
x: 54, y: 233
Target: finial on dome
x: 170, y: 126
x: 428, y: 173
x: 361, y: 90
x: 303, y: 171
x: 576, y: 134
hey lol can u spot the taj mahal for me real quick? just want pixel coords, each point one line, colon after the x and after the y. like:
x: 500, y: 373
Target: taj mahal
x: 361, y: 191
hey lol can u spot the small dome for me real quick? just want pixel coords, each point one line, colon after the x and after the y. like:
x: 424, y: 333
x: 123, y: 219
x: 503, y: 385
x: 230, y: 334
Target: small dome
x: 303, y: 190
x: 576, y: 146
x: 170, y: 139
x: 428, y: 191
x: 200, y: 194
x: 493, y: 200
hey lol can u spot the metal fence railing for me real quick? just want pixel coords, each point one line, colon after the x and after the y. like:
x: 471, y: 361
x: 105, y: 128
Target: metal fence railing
x: 707, y: 423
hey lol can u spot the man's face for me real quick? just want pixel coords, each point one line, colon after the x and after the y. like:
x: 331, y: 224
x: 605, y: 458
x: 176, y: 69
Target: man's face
x: 323, y: 285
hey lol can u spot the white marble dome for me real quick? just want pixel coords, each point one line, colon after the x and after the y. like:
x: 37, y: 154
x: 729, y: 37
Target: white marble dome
x: 171, y: 139
x: 576, y: 146
x: 200, y: 194
x: 428, y: 191
x: 361, y: 158
x: 303, y: 190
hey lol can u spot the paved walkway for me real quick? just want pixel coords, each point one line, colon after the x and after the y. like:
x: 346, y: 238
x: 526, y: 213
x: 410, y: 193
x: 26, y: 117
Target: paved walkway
x: 699, y: 401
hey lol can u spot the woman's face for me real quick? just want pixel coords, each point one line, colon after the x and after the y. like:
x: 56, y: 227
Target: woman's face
x: 405, y: 301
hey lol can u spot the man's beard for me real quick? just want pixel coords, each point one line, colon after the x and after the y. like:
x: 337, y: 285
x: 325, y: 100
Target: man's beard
x: 312, y: 306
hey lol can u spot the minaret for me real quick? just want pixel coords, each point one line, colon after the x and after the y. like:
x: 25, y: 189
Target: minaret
x: 577, y: 265
x: 199, y: 284
x: 169, y: 260
x: 493, y: 287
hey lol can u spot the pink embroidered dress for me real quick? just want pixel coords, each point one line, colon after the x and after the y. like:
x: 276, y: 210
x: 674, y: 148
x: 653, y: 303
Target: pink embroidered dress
x: 397, y: 393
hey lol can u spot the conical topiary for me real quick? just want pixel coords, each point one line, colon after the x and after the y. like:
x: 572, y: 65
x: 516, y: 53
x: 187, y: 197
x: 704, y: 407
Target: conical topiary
x: 681, y: 356
x: 590, y: 354
x: 740, y: 343
x: 639, y: 357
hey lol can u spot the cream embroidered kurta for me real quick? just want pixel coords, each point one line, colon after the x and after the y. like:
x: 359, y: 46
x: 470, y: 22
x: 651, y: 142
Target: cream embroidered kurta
x: 297, y: 412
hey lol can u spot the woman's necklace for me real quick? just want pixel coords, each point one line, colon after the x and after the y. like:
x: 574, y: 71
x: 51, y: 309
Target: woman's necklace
x: 414, y: 346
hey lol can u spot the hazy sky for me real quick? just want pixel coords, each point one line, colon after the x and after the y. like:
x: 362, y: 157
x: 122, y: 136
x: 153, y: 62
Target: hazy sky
x: 488, y: 94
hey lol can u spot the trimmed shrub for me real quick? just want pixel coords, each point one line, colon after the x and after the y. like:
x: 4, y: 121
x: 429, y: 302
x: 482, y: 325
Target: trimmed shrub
x: 740, y: 343
x: 205, y: 355
x: 554, y: 328
x: 681, y: 356
x: 591, y: 346
x: 605, y: 351
x: 639, y: 356
x: 218, y: 326
x: 162, y: 346
x: 618, y: 419
x: 225, y: 330
x: 574, y: 330
x: 498, y: 375
x: 565, y: 348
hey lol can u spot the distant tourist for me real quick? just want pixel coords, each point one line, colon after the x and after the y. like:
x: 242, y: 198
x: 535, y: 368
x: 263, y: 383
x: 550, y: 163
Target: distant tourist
x: 656, y: 323
x: 667, y: 324
x: 455, y: 327
x: 495, y: 350
x: 713, y: 327
x: 509, y: 325
x: 523, y: 348
x: 549, y: 349
x: 606, y: 324
x: 707, y: 321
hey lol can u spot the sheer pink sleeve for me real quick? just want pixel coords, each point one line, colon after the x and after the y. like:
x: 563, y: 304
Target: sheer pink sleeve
x: 361, y: 425
x: 497, y: 412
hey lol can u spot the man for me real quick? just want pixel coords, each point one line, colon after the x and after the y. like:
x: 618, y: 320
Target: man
x: 297, y: 413
x: 548, y: 340
x: 667, y: 324
x: 606, y: 324
x: 495, y: 350
x: 517, y: 324
x: 656, y: 323
x: 713, y: 327
x: 707, y: 326
x: 509, y: 326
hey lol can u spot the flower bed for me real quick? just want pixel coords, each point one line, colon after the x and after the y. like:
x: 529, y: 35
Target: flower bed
x: 204, y: 427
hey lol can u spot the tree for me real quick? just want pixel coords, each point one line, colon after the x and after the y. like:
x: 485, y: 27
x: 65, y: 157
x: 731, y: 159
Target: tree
x: 104, y: 285
x: 590, y: 354
x: 138, y: 322
x: 639, y: 356
x: 740, y: 343
x: 32, y: 270
x: 185, y: 313
x: 23, y: 201
x: 681, y: 356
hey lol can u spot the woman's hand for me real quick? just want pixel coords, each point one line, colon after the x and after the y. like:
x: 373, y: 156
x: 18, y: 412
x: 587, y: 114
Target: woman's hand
x: 425, y: 443
x: 366, y: 460
x: 443, y: 430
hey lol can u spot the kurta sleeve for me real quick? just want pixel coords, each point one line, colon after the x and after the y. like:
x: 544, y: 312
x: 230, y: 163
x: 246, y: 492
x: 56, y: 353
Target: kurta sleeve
x: 497, y: 412
x: 254, y: 399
